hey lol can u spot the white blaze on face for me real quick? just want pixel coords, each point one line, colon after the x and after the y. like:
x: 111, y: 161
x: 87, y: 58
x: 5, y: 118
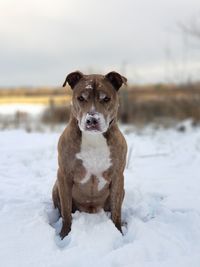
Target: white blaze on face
x: 89, y: 86
x: 95, y: 155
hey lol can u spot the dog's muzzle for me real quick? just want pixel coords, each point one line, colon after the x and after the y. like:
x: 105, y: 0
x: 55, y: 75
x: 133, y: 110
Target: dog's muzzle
x: 93, y: 122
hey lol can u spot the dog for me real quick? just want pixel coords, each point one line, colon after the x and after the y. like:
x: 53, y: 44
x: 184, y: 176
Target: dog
x: 91, y: 150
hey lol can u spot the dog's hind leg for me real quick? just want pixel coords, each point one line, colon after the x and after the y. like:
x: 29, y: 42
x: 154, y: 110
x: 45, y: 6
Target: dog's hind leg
x: 116, y: 199
x: 55, y: 197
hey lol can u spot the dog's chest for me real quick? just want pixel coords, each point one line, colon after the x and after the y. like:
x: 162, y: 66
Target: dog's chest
x: 95, y: 156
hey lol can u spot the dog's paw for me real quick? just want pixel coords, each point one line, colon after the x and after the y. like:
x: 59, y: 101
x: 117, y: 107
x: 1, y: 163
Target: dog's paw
x: 66, y: 228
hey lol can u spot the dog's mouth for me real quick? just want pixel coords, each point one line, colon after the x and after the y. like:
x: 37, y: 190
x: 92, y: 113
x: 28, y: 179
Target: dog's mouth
x: 92, y: 128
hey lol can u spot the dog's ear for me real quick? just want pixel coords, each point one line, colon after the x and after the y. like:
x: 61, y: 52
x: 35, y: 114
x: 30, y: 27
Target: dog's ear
x: 116, y: 79
x: 73, y: 78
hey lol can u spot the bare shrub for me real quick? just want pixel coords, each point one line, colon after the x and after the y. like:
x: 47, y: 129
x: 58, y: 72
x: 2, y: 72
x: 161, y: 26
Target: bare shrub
x: 146, y: 105
x: 56, y: 114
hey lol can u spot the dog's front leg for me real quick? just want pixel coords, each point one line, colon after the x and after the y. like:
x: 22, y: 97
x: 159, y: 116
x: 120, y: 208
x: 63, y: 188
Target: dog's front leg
x: 65, y: 194
x: 116, y: 198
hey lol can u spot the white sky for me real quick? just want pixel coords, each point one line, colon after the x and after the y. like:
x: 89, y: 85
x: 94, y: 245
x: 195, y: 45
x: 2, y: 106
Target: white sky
x: 43, y: 40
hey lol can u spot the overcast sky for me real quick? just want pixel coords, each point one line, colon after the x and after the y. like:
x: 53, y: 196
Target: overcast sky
x: 43, y: 40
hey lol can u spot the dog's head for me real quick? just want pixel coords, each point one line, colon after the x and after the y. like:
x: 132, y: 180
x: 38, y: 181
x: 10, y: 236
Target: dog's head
x: 95, y: 99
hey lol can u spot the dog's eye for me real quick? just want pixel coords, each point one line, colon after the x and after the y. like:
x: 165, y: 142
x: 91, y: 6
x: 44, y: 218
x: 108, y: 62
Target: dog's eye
x: 80, y: 98
x: 106, y: 99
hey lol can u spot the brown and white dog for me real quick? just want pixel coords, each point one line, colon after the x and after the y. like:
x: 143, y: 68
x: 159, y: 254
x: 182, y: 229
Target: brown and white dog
x: 91, y: 150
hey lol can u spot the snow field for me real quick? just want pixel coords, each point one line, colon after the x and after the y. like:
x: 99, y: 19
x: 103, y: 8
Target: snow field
x: 161, y: 209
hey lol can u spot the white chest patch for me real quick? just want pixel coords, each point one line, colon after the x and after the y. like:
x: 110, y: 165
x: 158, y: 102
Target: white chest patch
x: 95, y: 155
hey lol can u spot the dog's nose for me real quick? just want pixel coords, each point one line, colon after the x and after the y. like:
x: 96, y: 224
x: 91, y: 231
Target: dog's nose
x: 91, y: 121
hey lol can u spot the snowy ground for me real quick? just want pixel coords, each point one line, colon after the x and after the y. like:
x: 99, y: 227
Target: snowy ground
x: 161, y: 206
